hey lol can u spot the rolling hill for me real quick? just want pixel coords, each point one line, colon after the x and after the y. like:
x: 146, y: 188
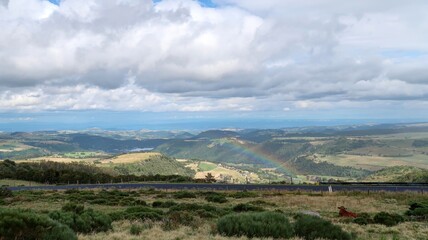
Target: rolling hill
x: 400, y: 174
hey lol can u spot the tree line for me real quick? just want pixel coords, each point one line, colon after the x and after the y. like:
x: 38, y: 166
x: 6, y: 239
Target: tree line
x: 73, y: 173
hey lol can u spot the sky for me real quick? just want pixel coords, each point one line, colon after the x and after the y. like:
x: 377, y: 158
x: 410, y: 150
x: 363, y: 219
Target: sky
x: 133, y: 61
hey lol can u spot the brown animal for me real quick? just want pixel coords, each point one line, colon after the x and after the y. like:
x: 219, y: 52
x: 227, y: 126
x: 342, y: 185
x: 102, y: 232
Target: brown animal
x: 345, y: 213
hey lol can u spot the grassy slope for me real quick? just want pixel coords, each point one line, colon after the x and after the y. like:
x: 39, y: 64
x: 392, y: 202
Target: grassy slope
x: 288, y: 202
x: 12, y: 183
x: 399, y: 174
x: 207, y: 166
x: 373, y: 163
x: 151, y: 165
x: 131, y: 158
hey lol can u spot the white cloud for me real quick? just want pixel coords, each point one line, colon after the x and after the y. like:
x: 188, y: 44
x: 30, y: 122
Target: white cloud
x: 241, y: 56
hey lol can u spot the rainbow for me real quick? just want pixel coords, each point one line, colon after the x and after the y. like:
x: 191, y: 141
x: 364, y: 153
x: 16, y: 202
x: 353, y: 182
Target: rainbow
x: 258, y: 155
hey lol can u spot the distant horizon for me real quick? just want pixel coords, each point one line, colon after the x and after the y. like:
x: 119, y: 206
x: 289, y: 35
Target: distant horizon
x: 178, y: 121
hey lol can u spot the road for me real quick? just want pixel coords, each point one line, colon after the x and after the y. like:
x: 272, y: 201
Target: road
x: 239, y: 187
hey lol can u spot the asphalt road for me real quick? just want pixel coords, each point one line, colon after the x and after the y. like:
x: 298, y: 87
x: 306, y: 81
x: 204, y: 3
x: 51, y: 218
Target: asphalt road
x: 216, y: 186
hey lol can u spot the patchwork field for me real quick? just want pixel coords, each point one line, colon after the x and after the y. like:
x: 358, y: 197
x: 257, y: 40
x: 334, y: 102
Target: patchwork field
x: 80, y: 155
x: 221, y: 173
x: 10, y: 146
x: 130, y: 158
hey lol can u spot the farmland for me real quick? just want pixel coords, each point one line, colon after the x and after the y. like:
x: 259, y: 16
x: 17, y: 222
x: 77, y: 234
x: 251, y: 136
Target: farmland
x: 129, y: 158
x: 259, y: 156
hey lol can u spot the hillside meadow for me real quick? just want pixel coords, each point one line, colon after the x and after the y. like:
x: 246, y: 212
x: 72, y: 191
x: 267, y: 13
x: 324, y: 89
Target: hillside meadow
x: 167, y: 214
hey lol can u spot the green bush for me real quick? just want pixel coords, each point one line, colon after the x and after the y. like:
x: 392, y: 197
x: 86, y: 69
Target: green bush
x: 363, y: 219
x: 73, y: 207
x: 244, y: 207
x: 263, y: 224
x: 17, y: 224
x: 83, y: 221
x: 177, y: 218
x: 202, y: 210
x: 311, y: 227
x: 388, y: 219
x: 418, y: 210
x: 184, y: 194
x: 244, y: 194
x: 135, y: 229
x: 216, y: 198
x: 160, y: 204
x: 71, y: 191
x: 138, y: 213
x: 261, y: 202
x: 5, y: 192
x: 415, y: 205
x: 360, y: 221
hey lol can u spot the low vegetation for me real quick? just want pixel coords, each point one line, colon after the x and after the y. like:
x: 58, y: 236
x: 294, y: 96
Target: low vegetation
x: 29, y: 225
x: 73, y: 173
x: 388, y: 219
x: 400, y: 174
x: 311, y: 228
x: 263, y: 224
x: 82, y: 220
x: 155, y: 214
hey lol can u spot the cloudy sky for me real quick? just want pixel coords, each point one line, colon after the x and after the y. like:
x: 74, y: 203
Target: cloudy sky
x: 284, y: 59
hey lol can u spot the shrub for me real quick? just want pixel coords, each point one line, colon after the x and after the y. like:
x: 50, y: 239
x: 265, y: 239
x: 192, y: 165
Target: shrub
x: 363, y: 219
x: 5, y: 192
x: 360, y: 221
x: 101, y: 201
x: 138, y: 213
x: 71, y: 191
x: 184, y: 194
x: 263, y: 224
x: 388, y: 219
x: 85, y: 221
x: 418, y: 210
x: 416, y: 205
x: 73, y: 207
x: 16, y: 224
x: 311, y: 227
x: 131, y: 202
x: 244, y: 207
x: 160, y: 204
x: 177, y: 218
x: 135, y: 229
x: 261, y: 202
x: 244, y: 194
x: 216, y: 198
x: 202, y: 210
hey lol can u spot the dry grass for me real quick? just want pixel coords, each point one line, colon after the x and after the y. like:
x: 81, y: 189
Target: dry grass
x: 13, y: 183
x: 375, y: 162
x: 130, y: 158
x: 121, y: 231
x: 288, y: 202
x: 216, y: 172
x: 193, y: 166
x: 10, y: 146
x: 403, y: 231
x: 60, y: 159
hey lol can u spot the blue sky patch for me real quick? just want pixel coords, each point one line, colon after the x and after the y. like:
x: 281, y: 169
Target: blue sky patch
x: 56, y: 2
